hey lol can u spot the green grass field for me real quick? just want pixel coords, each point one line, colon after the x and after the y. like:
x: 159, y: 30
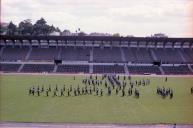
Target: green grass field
x: 16, y: 105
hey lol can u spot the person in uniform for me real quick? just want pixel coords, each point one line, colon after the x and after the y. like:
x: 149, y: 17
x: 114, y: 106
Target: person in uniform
x: 62, y: 92
x: 42, y: 88
x: 56, y: 89
x: 192, y: 90
x: 47, y: 92
x: 38, y: 92
x: 68, y: 92
x: 49, y: 88
x: 90, y: 90
x: 101, y: 92
x: 97, y: 91
x: 166, y: 79
x: 123, y: 92
x: 55, y: 94
x: 70, y: 88
x: 33, y: 91
x: 117, y: 91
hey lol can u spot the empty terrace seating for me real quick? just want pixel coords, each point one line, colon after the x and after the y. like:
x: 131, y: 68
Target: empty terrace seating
x: 50, y: 53
x: 107, y: 55
x: 108, y: 69
x: 143, y: 55
x: 168, y: 55
x: 177, y: 70
x: 75, y: 54
x: 38, y: 68
x: 140, y: 55
x: 143, y: 69
x: 14, y: 54
x: 129, y: 54
x: 188, y: 54
x: 9, y: 67
x: 73, y: 69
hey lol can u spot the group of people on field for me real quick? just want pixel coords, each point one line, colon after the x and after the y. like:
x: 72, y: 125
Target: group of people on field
x: 164, y: 92
x: 93, y: 85
x: 99, y: 86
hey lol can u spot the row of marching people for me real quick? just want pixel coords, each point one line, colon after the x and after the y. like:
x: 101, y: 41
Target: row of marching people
x: 85, y: 90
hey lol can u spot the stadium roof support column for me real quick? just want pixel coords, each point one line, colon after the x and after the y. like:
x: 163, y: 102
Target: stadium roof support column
x: 146, y: 44
x: 111, y: 43
x: 21, y: 41
x: 138, y: 44
x: 30, y: 42
x: 173, y: 44
x: 48, y: 41
x: 66, y: 43
x: 39, y: 41
x: 164, y: 44
x: 13, y: 41
x: 182, y: 44
x: 191, y: 45
x: 5, y: 41
x: 84, y: 44
x: 120, y: 43
x: 75, y: 43
x: 155, y: 45
x: 102, y: 45
x: 56, y: 43
x: 129, y: 44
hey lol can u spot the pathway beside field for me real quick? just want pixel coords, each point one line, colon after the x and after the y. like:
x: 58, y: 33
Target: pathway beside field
x: 71, y: 125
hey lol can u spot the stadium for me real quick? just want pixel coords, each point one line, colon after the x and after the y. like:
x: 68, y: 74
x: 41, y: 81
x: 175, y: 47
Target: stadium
x: 96, y: 64
x: 97, y: 55
x: 96, y: 80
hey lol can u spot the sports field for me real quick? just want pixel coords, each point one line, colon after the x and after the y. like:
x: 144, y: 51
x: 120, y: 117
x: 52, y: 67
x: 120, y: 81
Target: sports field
x: 16, y: 105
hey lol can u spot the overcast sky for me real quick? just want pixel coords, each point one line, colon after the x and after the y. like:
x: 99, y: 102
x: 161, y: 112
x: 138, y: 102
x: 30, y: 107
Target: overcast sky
x: 127, y: 17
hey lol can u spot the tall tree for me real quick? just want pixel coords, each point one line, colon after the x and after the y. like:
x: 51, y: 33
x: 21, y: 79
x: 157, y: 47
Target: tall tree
x: 25, y: 27
x: 40, y: 27
x: 52, y: 29
x: 12, y: 29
